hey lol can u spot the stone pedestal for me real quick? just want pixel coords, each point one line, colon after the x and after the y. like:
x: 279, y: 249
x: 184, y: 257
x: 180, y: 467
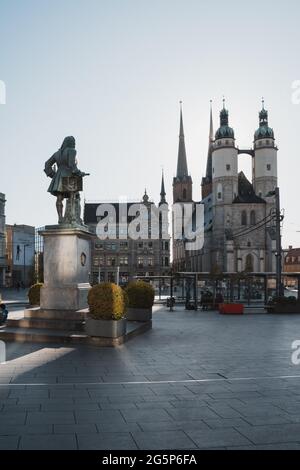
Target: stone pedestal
x: 67, y: 265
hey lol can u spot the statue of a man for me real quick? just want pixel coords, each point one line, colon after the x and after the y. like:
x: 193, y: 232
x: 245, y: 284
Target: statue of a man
x: 61, y: 165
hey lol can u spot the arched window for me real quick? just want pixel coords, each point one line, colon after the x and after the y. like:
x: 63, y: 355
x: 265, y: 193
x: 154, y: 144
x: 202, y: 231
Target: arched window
x: 252, y: 218
x: 219, y: 192
x: 184, y: 193
x: 244, y: 218
x: 249, y: 264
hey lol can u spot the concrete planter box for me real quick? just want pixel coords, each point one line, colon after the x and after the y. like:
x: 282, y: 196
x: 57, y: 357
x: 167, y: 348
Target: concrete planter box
x: 231, y: 309
x: 105, y: 328
x: 139, y: 314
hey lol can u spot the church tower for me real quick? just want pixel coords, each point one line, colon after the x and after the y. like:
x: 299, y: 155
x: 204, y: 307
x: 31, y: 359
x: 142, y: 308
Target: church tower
x: 224, y: 163
x: 207, y: 180
x: 182, y: 183
x: 265, y: 157
x: 224, y: 187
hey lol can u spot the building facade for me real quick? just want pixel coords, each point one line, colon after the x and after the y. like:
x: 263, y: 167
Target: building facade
x: 2, y: 241
x: 123, y: 258
x: 20, y: 253
x: 291, y: 265
x: 239, y: 225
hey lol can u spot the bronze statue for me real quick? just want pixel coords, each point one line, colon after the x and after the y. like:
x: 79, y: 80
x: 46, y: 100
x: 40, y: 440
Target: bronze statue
x: 66, y: 181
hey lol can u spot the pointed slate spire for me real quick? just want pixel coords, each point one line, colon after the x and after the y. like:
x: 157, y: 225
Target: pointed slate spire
x: 210, y: 146
x: 182, y: 169
x: 162, y: 191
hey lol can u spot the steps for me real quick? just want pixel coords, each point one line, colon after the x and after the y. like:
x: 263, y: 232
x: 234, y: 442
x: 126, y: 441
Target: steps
x: 41, y: 335
x: 52, y: 326
x: 44, y: 323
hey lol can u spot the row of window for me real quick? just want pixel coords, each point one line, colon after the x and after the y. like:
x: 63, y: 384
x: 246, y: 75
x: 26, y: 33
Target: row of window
x: 123, y: 261
x: 228, y: 167
x: 110, y: 261
x: 261, y: 143
x: 292, y: 259
x: 227, y: 142
x: 124, y: 245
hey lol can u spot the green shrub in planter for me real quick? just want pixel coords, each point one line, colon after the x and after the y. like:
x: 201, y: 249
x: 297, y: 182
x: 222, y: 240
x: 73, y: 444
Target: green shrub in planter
x: 140, y: 295
x: 34, y: 294
x: 283, y: 305
x: 140, y: 301
x: 106, y: 302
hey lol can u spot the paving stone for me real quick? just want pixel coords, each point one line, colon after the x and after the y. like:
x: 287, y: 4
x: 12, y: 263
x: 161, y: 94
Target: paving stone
x: 111, y: 441
x: 112, y: 416
x: 18, y: 430
x: 173, y: 425
x: 70, y: 407
x: 271, y: 434
x: 200, y: 412
x: 48, y: 442
x: 163, y: 440
x: 146, y: 415
x: 9, y: 443
x: 224, y: 423
x: 75, y: 429
x: 107, y: 426
x: 50, y: 417
x: 12, y: 418
x: 265, y: 420
x: 215, y: 438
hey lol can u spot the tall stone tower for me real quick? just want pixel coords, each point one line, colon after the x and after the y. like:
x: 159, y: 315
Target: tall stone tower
x: 182, y: 183
x: 224, y: 186
x: 265, y: 157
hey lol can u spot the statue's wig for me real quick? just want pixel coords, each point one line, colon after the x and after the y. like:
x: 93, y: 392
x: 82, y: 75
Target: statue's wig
x: 69, y: 142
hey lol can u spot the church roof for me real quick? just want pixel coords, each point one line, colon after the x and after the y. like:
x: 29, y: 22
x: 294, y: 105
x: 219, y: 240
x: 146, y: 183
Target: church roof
x: 246, y: 193
x: 264, y: 131
x: 224, y: 130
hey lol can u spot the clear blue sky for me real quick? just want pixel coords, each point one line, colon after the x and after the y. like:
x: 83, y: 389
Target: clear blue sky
x: 111, y: 73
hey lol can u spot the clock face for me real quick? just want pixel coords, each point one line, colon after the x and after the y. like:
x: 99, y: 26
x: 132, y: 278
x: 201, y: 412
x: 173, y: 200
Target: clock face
x: 83, y: 259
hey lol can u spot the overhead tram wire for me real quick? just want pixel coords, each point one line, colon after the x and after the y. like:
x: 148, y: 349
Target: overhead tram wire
x: 253, y: 228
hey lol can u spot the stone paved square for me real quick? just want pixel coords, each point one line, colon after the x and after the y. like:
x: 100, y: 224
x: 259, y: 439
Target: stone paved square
x: 197, y: 380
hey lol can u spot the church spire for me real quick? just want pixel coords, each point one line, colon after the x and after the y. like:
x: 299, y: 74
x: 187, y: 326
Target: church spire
x: 162, y: 190
x: 207, y: 180
x: 210, y: 146
x: 182, y: 169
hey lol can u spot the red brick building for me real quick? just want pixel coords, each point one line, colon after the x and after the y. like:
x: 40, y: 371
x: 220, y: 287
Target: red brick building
x: 292, y: 265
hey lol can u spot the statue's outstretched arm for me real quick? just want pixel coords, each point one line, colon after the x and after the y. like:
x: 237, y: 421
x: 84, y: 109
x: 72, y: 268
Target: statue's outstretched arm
x: 49, y: 167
